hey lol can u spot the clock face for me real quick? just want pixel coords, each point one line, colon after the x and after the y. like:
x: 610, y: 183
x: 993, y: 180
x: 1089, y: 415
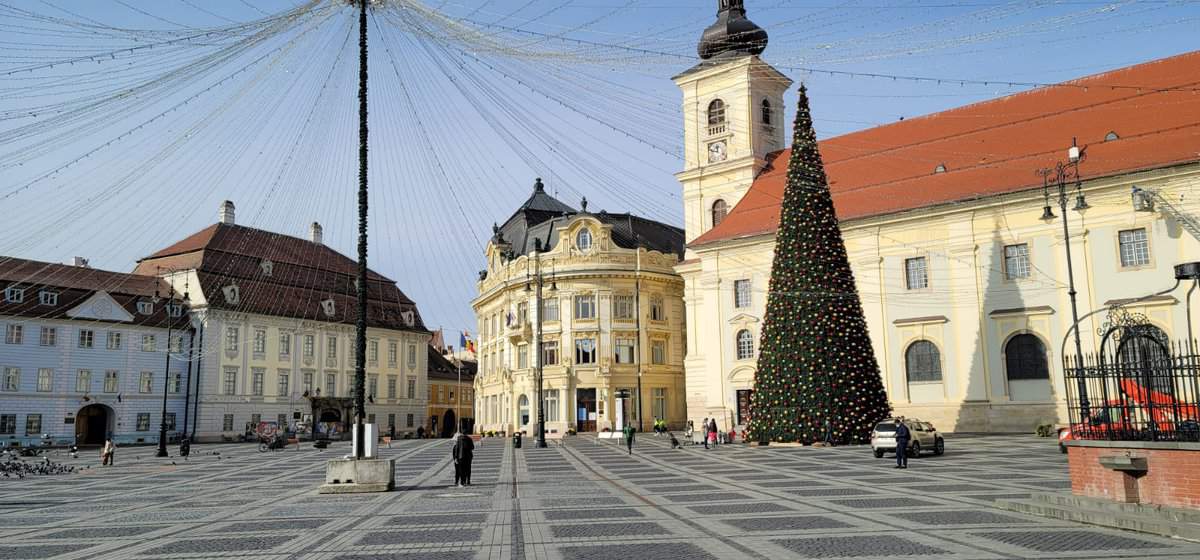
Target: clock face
x: 716, y: 152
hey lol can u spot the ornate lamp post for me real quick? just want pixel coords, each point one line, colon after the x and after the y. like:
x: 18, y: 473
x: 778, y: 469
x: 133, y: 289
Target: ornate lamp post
x: 1060, y: 175
x: 172, y: 309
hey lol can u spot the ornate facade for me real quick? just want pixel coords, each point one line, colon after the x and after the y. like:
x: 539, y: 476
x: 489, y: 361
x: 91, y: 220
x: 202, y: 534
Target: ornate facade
x: 611, y: 316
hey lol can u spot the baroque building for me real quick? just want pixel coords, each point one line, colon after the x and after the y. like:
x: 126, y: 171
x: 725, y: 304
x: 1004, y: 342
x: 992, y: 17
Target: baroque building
x: 611, y: 318
x: 958, y: 251
x: 274, y: 318
x: 89, y: 353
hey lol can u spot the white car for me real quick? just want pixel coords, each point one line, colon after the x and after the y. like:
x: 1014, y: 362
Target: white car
x: 922, y: 436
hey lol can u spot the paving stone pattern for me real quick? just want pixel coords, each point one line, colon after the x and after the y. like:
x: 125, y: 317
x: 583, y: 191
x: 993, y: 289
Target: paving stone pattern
x: 583, y: 500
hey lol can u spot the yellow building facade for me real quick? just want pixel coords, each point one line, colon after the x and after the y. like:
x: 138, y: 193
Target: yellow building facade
x: 451, y: 395
x: 962, y: 275
x: 612, y: 318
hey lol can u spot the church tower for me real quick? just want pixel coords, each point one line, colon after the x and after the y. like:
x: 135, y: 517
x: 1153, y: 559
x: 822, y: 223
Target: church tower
x: 733, y: 116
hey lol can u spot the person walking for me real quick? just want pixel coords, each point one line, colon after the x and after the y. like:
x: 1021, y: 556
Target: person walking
x: 107, y: 452
x: 704, y: 432
x: 688, y: 431
x: 628, y: 433
x: 464, y: 453
x: 712, y: 431
x: 902, y: 437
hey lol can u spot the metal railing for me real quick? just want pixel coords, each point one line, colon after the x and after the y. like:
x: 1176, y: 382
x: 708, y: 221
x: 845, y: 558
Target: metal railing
x: 1144, y: 390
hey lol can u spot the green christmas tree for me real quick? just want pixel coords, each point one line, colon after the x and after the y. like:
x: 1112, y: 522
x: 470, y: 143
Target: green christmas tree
x: 815, y: 361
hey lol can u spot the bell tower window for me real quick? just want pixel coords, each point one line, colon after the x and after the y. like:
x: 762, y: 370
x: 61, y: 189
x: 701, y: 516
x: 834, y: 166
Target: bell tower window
x: 716, y: 117
x: 766, y: 112
x: 719, y: 209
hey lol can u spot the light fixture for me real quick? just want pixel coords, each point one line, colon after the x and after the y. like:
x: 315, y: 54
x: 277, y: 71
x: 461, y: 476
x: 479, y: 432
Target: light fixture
x: 1073, y: 152
x: 1081, y: 202
x: 1047, y: 213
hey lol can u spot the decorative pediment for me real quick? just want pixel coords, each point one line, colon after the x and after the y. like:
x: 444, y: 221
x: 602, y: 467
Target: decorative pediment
x: 743, y: 319
x: 101, y: 307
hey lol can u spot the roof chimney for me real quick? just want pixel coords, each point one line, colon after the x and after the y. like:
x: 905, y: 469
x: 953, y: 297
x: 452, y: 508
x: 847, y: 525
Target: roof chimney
x: 225, y: 216
x: 314, y: 233
x: 79, y: 261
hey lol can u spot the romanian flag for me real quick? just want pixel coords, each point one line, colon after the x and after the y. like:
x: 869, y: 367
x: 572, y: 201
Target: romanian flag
x: 466, y: 343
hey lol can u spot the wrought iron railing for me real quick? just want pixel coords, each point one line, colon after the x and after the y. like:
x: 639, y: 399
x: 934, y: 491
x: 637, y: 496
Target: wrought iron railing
x: 1144, y: 389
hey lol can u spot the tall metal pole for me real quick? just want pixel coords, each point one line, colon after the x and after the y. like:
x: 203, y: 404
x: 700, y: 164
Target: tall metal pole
x: 162, y: 426
x: 637, y: 314
x: 360, y: 327
x: 537, y: 344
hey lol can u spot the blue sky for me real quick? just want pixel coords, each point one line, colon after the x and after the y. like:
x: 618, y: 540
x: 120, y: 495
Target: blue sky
x: 470, y: 101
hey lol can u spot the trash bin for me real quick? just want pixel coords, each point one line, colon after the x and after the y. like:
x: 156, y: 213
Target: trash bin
x: 517, y: 440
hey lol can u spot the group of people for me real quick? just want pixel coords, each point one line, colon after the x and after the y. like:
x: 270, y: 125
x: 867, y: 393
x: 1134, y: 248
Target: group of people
x: 462, y: 453
x: 708, y: 431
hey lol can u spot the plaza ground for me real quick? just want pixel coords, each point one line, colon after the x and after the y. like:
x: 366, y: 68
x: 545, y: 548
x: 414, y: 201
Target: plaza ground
x: 583, y: 500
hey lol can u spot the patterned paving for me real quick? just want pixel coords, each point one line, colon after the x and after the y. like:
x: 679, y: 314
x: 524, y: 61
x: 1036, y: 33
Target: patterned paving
x: 583, y: 500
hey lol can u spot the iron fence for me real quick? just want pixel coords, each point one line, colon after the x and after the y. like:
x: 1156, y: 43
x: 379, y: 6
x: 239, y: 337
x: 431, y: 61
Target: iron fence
x: 1144, y: 389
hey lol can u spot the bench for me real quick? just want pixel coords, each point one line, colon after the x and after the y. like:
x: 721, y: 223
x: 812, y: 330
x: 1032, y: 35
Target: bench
x: 387, y: 441
x: 556, y: 437
x: 294, y: 440
x: 609, y: 435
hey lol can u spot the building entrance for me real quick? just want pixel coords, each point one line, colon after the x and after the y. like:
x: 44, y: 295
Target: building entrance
x: 92, y: 424
x: 585, y: 410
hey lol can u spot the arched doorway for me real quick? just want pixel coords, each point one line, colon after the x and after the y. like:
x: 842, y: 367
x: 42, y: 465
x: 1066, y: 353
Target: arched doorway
x: 92, y: 424
x: 449, y: 422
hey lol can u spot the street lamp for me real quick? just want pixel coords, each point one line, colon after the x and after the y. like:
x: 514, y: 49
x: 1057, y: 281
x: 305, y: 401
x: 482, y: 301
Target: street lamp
x: 1060, y: 175
x: 170, y: 309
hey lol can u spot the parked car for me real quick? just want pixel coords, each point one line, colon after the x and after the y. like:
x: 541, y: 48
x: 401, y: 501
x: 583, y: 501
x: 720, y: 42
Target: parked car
x: 923, y: 436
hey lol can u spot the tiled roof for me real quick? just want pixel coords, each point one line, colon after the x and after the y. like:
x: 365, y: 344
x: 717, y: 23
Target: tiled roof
x: 442, y: 368
x: 303, y: 274
x: 74, y: 285
x: 995, y: 147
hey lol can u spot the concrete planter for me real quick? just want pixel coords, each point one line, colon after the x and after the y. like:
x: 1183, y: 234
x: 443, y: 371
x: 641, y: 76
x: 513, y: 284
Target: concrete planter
x: 348, y: 476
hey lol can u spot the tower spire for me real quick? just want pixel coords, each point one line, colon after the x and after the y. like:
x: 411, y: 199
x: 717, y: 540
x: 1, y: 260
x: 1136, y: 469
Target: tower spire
x: 732, y: 33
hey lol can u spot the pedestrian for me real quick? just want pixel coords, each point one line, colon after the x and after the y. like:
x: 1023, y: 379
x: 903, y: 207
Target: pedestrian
x: 688, y: 430
x: 828, y: 432
x: 107, y: 452
x: 712, y: 431
x: 420, y: 432
x: 464, y: 453
x: 628, y: 433
x: 704, y: 432
x: 674, y: 442
x: 902, y: 437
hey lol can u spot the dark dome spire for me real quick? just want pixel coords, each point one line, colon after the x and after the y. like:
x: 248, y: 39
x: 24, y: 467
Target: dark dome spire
x: 732, y: 32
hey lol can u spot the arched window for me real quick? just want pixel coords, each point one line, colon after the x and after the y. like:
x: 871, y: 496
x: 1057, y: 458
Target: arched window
x: 583, y: 240
x: 716, y: 112
x: 1142, y: 353
x: 719, y: 209
x: 923, y: 362
x: 766, y: 112
x: 745, y: 345
x: 523, y: 410
x: 1025, y: 358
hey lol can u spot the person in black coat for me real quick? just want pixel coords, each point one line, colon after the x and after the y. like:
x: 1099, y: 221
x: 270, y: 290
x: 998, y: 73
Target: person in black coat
x: 464, y: 452
x: 902, y: 438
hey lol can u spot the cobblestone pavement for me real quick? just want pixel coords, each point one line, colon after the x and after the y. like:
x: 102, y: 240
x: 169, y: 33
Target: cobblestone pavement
x: 586, y: 500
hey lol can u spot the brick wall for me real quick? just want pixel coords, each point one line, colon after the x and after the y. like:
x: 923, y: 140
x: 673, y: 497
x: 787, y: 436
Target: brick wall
x: 1172, y: 478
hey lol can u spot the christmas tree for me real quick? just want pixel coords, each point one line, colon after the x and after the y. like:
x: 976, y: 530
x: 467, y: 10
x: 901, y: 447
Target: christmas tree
x: 815, y: 362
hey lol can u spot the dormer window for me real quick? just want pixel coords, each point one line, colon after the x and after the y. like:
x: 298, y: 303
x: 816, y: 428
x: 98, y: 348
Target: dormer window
x: 232, y: 295
x: 1112, y: 135
x: 766, y: 112
x: 329, y: 307
x: 46, y: 297
x: 941, y: 168
x: 583, y: 240
x: 175, y: 310
x: 145, y: 307
x: 267, y: 266
x: 14, y: 295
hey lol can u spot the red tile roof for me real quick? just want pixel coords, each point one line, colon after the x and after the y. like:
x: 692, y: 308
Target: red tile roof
x: 74, y: 285
x: 303, y: 274
x: 995, y: 147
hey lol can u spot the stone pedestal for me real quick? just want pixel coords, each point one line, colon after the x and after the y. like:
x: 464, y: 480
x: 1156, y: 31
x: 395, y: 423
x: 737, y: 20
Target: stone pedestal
x: 348, y: 476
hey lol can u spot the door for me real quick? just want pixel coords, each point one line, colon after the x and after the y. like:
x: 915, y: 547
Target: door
x: 91, y: 425
x: 585, y: 410
x: 448, y: 424
x: 743, y: 406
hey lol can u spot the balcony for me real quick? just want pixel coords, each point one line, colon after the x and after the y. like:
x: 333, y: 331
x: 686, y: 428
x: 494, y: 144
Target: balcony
x: 717, y: 129
x: 520, y: 331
